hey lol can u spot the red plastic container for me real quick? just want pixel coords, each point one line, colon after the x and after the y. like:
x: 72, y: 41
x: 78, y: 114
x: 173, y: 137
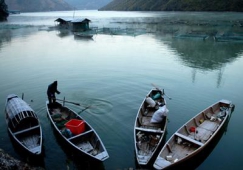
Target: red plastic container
x: 192, y: 129
x: 76, y: 126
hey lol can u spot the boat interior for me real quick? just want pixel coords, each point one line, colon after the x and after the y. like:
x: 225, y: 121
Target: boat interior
x: 149, y: 135
x: 147, y: 141
x: 146, y: 112
x: 86, y: 139
x: 26, y: 128
x: 31, y: 139
x: 194, y: 134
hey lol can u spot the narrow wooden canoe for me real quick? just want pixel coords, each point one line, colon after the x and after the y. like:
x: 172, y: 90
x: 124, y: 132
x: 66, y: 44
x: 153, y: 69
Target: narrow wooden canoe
x: 23, y: 124
x: 148, y: 136
x: 191, y: 138
x: 76, y: 131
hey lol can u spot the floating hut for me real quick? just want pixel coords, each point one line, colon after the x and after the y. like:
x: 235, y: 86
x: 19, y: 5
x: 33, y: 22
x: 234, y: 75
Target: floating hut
x: 80, y: 24
x: 63, y: 22
x: 76, y: 25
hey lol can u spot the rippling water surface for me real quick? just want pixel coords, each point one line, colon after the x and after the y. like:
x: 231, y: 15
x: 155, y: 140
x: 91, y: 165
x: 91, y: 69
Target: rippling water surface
x: 115, y: 72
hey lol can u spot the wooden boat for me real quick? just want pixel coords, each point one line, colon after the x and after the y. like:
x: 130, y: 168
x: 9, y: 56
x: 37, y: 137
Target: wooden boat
x: 191, y: 138
x: 191, y: 36
x: 76, y: 131
x: 83, y: 35
x: 23, y: 124
x: 229, y: 38
x: 148, y: 136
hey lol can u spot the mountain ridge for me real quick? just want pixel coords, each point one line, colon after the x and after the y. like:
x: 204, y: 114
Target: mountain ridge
x: 174, y: 5
x: 128, y: 5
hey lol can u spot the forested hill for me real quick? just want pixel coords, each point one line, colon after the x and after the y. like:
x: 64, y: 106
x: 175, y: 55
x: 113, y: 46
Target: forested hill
x: 175, y: 5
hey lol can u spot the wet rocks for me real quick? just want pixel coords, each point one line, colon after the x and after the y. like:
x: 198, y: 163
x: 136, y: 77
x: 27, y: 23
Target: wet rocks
x: 9, y: 163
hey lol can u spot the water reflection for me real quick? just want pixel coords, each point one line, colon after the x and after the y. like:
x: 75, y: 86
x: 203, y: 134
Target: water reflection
x: 63, y: 33
x: 219, y: 76
x: 10, y: 31
x: 5, y: 37
x: 206, y: 55
x: 192, y: 40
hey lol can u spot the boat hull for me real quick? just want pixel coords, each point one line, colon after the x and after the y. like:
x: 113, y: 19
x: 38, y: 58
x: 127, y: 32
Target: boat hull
x: 23, y: 125
x: 194, y: 136
x: 148, y: 136
x: 80, y: 136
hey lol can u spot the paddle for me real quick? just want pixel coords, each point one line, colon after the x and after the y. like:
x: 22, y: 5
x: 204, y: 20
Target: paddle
x: 85, y: 107
x: 161, y: 90
x: 96, y: 104
x: 69, y: 102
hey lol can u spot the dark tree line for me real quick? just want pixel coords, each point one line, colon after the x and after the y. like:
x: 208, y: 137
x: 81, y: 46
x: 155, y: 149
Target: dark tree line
x: 3, y: 11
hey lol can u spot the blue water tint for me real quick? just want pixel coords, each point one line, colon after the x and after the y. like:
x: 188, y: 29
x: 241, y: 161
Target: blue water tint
x: 113, y: 73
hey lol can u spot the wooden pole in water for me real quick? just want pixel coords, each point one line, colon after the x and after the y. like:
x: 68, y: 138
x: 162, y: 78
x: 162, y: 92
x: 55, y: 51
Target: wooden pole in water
x: 63, y: 101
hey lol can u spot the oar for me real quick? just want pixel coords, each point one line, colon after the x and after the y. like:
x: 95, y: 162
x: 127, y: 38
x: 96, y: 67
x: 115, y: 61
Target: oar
x: 161, y: 90
x: 87, y: 107
x: 69, y: 102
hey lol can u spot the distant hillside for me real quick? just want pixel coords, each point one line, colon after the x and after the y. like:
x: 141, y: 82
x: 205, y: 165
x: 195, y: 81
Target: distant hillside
x: 38, y: 5
x: 88, y: 4
x: 175, y: 5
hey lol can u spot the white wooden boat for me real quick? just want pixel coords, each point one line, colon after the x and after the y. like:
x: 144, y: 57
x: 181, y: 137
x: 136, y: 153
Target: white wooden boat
x: 148, y: 136
x: 191, y: 138
x: 23, y: 124
x: 76, y: 131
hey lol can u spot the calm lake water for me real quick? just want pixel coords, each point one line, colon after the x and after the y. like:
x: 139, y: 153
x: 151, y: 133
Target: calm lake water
x: 113, y: 73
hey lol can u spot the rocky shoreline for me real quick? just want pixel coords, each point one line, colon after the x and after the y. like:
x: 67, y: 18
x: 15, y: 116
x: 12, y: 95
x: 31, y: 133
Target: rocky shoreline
x: 7, y: 162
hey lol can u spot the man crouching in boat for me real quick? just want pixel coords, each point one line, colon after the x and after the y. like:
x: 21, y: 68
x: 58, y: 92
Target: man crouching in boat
x: 160, y: 110
x: 51, y: 90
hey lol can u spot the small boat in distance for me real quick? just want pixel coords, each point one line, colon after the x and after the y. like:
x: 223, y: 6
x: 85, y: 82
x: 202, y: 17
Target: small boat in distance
x: 150, y: 126
x: 75, y: 131
x: 229, y: 38
x: 23, y: 124
x: 191, y: 138
x: 83, y: 35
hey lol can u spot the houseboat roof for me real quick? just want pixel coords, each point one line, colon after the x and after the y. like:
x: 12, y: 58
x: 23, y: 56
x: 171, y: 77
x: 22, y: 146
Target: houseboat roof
x: 80, y: 20
x: 63, y: 19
